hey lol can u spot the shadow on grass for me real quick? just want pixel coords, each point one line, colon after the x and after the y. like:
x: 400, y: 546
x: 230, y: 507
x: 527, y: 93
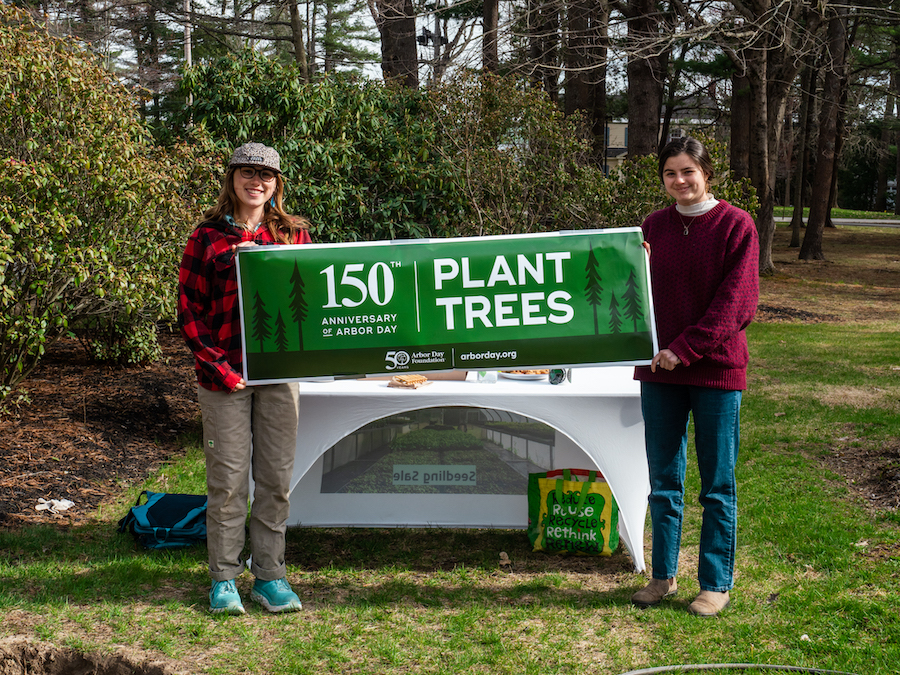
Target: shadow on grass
x: 436, y: 549
x: 53, y: 566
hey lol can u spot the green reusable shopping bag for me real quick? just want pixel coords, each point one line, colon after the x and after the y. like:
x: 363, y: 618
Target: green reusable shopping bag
x: 572, y: 511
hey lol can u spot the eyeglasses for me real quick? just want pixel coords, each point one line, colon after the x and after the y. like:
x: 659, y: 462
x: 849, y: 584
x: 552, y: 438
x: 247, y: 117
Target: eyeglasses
x: 265, y: 175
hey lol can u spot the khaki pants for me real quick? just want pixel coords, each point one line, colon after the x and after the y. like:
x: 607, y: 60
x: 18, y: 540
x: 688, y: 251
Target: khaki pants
x: 251, y: 429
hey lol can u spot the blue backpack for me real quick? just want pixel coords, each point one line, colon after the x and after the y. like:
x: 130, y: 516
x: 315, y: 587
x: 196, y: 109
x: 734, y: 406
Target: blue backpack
x: 166, y: 520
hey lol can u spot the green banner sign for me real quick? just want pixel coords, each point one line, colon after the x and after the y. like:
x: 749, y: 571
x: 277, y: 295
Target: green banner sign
x: 507, y: 302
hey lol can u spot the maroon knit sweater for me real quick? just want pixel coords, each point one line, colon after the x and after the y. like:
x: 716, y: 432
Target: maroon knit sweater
x: 705, y: 289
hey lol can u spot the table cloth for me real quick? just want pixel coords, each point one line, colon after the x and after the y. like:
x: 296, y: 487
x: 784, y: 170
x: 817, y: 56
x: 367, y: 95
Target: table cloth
x: 598, y: 423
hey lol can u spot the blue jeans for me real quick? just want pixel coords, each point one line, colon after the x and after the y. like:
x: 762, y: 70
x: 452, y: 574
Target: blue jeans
x: 716, y: 413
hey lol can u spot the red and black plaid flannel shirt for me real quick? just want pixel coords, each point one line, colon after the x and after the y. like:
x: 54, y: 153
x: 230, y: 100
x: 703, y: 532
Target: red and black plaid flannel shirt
x: 208, y: 312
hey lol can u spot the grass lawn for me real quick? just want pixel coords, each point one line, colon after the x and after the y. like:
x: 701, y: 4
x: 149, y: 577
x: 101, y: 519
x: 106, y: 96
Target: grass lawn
x: 788, y: 211
x: 817, y: 572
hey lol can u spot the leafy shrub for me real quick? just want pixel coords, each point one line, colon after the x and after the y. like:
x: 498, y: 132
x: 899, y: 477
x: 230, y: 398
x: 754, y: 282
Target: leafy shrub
x: 524, y: 166
x: 635, y: 191
x: 93, y: 216
x: 471, y: 156
x: 127, y: 342
x: 357, y: 155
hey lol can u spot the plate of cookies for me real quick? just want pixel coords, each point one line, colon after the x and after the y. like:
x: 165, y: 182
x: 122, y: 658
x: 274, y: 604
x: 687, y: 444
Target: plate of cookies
x: 409, y: 381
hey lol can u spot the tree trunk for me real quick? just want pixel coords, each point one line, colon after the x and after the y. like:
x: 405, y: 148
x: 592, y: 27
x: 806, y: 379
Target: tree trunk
x: 327, y: 41
x: 549, y: 52
x: 839, y: 135
x: 668, y: 107
x: 811, y: 249
x: 535, y: 46
x: 773, y: 58
x: 600, y: 18
x: 897, y: 175
x: 490, y: 58
x: 780, y: 77
x: 884, y: 150
x: 297, y: 39
x: 786, y: 155
x: 806, y: 93
x: 396, y: 21
x: 850, y: 29
x: 586, y: 68
x: 739, y: 159
x: 897, y: 132
x: 644, y: 79
x: 576, y: 57
x: 761, y: 174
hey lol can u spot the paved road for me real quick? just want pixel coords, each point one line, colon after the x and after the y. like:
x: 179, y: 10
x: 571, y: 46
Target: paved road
x: 852, y: 222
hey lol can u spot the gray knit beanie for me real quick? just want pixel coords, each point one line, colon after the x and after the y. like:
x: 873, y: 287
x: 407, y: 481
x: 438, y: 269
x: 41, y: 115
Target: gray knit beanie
x: 256, y: 154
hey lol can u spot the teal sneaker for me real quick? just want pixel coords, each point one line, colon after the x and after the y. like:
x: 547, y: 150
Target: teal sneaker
x: 224, y: 598
x: 275, y: 596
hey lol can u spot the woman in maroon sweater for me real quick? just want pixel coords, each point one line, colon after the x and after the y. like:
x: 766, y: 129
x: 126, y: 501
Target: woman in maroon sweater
x: 704, y: 270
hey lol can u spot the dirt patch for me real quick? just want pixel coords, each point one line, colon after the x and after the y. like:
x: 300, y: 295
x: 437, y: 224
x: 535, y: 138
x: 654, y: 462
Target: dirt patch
x: 776, y: 314
x: 864, y: 256
x: 872, y: 471
x: 858, y: 281
x: 21, y: 657
x: 88, y: 428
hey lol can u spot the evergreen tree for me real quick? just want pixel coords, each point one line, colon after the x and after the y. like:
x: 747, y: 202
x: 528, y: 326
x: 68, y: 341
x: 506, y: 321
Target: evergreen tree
x: 633, y: 309
x: 615, y: 320
x: 343, y: 43
x: 298, y: 304
x: 158, y: 49
x: 281, y: 340
x: 593, y: 291
x: 261, y: 330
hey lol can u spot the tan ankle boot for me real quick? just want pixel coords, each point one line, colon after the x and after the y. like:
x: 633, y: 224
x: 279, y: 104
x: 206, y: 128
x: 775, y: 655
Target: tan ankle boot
x: 709, y: 603
x: 654, y: 592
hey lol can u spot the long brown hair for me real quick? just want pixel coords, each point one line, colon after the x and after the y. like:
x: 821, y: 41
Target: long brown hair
x: 281, y: 225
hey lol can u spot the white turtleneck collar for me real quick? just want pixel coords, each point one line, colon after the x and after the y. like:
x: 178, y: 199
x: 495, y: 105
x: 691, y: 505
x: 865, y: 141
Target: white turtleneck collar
x: 695, y: 210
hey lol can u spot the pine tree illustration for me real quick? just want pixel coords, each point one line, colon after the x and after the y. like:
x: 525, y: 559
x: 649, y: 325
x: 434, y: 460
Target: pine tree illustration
x: 281, y: 340
x: 298, y: 303
x: 615, y: 320
x: 632, y: 299
x: 593, y: 291
x: 261, y: 318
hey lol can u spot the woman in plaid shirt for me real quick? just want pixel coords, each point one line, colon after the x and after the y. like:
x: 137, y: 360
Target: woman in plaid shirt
x: 249, y: 212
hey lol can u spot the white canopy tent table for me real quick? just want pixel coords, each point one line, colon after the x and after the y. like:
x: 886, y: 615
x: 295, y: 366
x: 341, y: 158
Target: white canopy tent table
x: 598, y: 423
